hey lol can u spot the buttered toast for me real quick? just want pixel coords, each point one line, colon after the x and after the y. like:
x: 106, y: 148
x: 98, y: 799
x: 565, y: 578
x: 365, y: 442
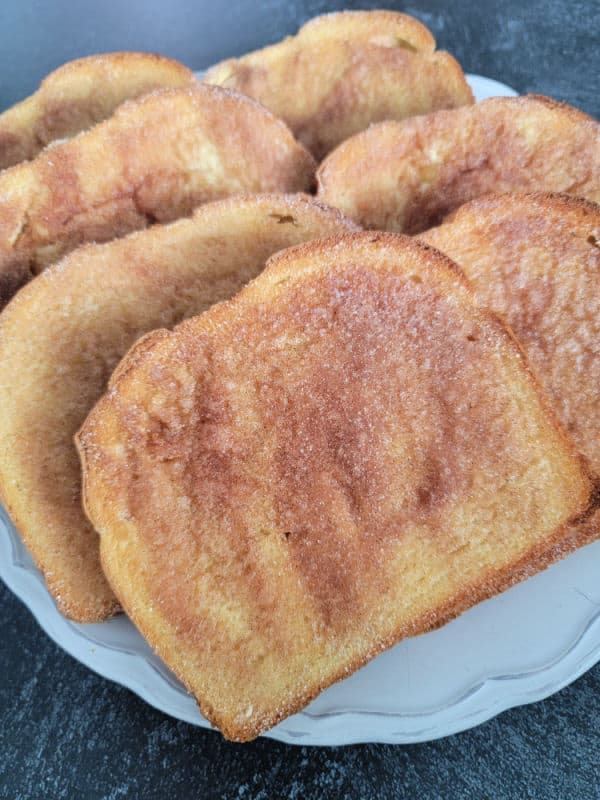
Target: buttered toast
x: 63, y: 334
x: 349, y: 452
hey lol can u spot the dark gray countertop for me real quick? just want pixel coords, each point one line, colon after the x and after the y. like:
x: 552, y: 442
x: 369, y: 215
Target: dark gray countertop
x: 66, y: 733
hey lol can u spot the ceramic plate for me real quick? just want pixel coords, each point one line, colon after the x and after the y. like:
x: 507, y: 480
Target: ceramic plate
x: 515, y: 648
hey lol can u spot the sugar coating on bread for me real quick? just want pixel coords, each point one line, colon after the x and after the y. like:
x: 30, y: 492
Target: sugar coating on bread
x: 407, y: 176
x: 345, y: 71
x: 156, y: 159
x: 390, y: 28
x: 347, y: 453
x: 534, y: 259
x: 63, y: 334
x: 79, y: 94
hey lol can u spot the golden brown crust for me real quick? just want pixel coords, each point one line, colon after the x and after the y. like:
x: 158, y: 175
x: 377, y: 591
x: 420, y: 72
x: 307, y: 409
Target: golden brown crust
x: 370, y: 25
x: 323, y: 485
x: 534, y: 259
x: 344, y: 71
x: 407, y: 176
x: 62, y: 335
x: 530, y: 202
x: 154, y: 160
x: 80, y: 94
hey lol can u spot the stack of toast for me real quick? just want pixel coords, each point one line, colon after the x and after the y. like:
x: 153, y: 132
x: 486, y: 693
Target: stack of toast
x: 250, y: 395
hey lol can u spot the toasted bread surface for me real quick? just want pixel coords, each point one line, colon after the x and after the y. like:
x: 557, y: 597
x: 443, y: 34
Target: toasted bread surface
x: 348, y: 452
x: 407, y: 176
x: 344, y: 71
x: 390, y: 28
x: 62, y: 335
x: 78, y: 95
x: 534, y: 259
x: 154, y: 160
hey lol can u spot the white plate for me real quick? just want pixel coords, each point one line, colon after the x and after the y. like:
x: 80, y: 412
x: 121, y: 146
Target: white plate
x: 515, y: 648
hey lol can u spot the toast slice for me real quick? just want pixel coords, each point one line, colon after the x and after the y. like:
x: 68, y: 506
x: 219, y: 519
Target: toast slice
x: 407, y: 176
x: 347, y: 453
x: 154, y: 160
x: 535, y: 260
x: 62, y: 335
x: 344, y: 71
x: 78, y: 95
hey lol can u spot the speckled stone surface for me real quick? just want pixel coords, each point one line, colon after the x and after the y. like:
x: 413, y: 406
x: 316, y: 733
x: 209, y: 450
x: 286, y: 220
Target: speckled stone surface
x: 66, y: 733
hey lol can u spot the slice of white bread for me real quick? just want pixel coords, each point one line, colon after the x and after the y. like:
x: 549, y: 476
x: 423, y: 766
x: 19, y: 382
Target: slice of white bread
x: 407, y: 176
x: 63, y: 333
x: 347, y: 453
x: 534, y: 259
x: 78, y: 95
x: 344, y: 71
x: 154, y: 160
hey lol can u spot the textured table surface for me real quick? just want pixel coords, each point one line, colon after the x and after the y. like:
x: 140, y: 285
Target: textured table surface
x: 66, y: 733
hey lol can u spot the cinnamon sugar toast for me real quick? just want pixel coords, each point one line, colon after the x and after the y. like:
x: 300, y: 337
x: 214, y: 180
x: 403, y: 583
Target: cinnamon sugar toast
x: 346, y: 70
x: 62, y: 335
x: 78, y: 95
x: 407, y: 176
x: 154, y: 160
x: 347, y: 453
